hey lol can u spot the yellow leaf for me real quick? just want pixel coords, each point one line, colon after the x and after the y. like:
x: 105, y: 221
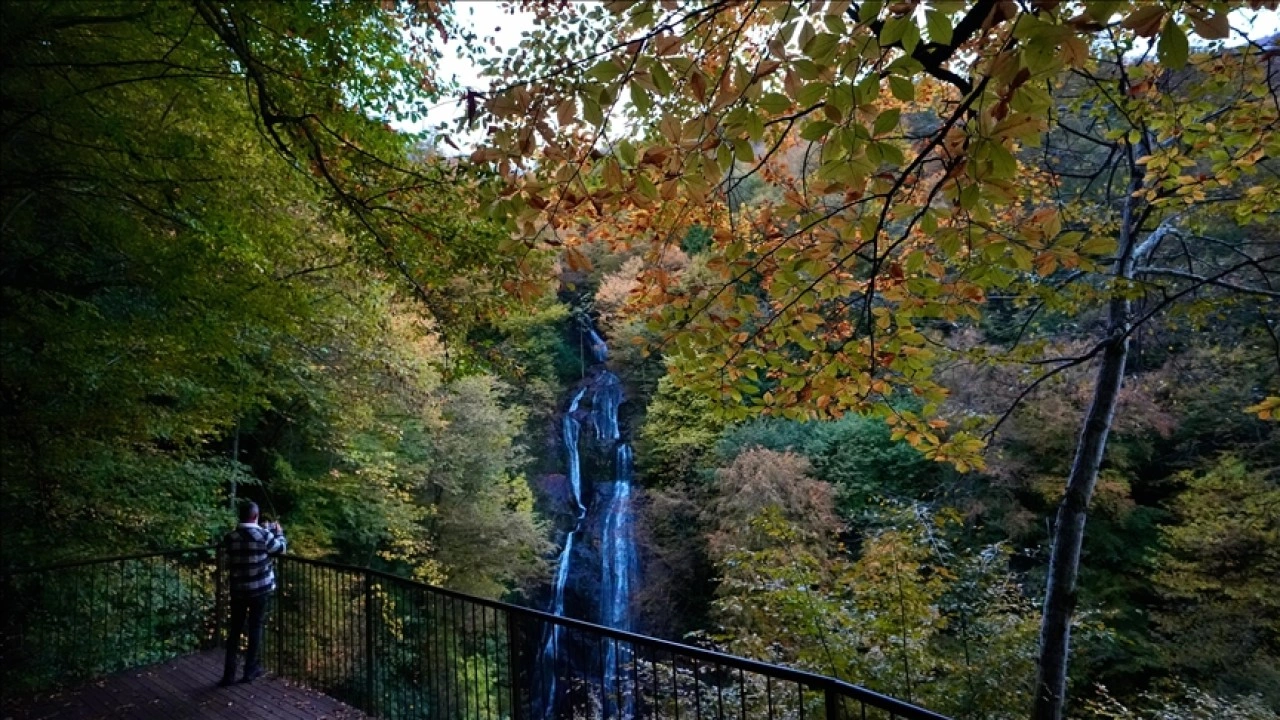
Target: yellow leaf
x: 1268, y: 409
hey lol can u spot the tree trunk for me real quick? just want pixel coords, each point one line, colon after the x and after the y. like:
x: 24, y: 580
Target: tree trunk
x: 1068, y: 532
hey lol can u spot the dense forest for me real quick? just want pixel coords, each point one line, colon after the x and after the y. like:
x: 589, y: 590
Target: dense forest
x: 945, y: 333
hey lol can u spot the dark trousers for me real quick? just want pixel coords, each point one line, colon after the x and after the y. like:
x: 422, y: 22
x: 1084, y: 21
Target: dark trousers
x: 254, y: 611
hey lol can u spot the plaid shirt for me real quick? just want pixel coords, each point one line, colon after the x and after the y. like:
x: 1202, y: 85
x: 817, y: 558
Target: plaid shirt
x: 249, y: 549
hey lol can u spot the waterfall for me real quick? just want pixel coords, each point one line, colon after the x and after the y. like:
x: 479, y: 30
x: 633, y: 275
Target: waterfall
x: 555, y: 638
x: 617, y: 555
x: 618, y: 567
x: 599, y: 350
x: 604, y: 407
x: 571, y: 427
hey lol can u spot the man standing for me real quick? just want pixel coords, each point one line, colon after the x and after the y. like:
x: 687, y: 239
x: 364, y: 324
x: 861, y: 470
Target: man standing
x: 248, y: 551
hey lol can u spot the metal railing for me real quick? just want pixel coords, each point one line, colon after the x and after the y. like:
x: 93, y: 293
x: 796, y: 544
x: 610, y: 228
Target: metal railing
x: 400, y: 649
x: 68, y: 623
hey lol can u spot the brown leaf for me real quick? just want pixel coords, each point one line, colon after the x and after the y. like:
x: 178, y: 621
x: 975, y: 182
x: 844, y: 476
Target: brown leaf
x: 1146, y: 20
x: 698, y: 84
x: 1216, y: 27
x: 566, y: 112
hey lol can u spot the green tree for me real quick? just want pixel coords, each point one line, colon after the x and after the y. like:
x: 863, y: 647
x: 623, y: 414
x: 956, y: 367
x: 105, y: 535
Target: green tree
x: 1219, y: 621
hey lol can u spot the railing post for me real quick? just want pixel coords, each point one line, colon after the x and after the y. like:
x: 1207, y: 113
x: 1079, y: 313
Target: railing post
x: 277, y: 602
x: 833, y: 703
x: 513, y: 664
x: 368, y: 642
x: 217, y: 596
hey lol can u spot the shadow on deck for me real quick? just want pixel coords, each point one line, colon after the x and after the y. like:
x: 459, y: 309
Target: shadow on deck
x: 180, y: 689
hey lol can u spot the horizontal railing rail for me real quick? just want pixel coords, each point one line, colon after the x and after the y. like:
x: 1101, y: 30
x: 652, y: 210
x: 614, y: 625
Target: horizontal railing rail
x: 398, y: 648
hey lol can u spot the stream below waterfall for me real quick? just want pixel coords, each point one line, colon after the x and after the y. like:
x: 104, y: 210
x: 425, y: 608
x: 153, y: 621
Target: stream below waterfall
x: 602, y: 536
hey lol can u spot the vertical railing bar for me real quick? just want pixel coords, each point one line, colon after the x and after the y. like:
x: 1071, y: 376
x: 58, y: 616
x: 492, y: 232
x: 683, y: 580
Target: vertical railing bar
x: 513, y: 663
x: 99, y: 626
x: 450, y: 677
x: 447, y: 677
x: 277, y: 612
x: 604, y: 670
x: 833, y: 704
x: 635, y: 677
x: 388, y: 669
x: 675, y: 682
x: 296, y: 637
x: 415, y: 646
x: 742, y: 692
x: 368, y: 641
x: 218, y: 572
x: 428, y: 654
x: 355, y: 617
x: 434, y: 656
x: 653, y: 665
x: 311, y: 639
x: 697, y: 691
x: 617, y: 676
x: 470, y: 655
x: 113, y: 621
x: 324, y: 629
x: 768, y: 694
x: 720, y: 693
x: 484, y: 653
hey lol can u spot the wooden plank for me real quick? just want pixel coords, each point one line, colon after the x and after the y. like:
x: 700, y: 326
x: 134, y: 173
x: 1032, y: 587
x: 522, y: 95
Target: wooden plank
x: 182, y: 688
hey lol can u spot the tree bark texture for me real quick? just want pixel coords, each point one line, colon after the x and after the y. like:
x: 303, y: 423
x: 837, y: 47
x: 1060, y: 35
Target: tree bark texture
x: 1068, y: 532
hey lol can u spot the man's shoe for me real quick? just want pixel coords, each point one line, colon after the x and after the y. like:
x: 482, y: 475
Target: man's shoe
x: 251, y: 675
x: 227, y: 681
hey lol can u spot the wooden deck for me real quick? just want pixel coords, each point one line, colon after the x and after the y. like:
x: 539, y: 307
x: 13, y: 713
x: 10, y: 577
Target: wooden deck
x: 181, y: 689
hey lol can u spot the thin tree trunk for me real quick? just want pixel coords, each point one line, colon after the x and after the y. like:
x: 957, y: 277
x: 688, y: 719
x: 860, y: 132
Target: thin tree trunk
x: 1068, y: 531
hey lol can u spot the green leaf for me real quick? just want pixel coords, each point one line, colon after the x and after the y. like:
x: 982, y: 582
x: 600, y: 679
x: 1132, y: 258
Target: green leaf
x: 815, y: 130
x: 604, y: 71
x: 627, y: 154
x: 661, y: 79
x: 1003, y: 164
x: 646, y: 186
x: 1172, y: 48
x: 886, y: 121
x: 591, y: 111
x: 775, y: 103
x: 893, y: 29
x: 939, y: 27
x: 821, y: 47
x: 811, y: 93
x: 640, y: 98
x: 902, y: 88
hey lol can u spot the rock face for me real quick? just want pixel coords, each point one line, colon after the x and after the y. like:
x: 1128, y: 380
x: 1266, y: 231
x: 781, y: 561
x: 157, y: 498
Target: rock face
x: 598, y: 565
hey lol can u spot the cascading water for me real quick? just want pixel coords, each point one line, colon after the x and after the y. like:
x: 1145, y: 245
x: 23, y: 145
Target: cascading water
x: 618, y: 567
x: 604, y: 407
x: 554, y: 641
x: 599, y: 350
x: 617, y: 555
x: 571, y: 427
